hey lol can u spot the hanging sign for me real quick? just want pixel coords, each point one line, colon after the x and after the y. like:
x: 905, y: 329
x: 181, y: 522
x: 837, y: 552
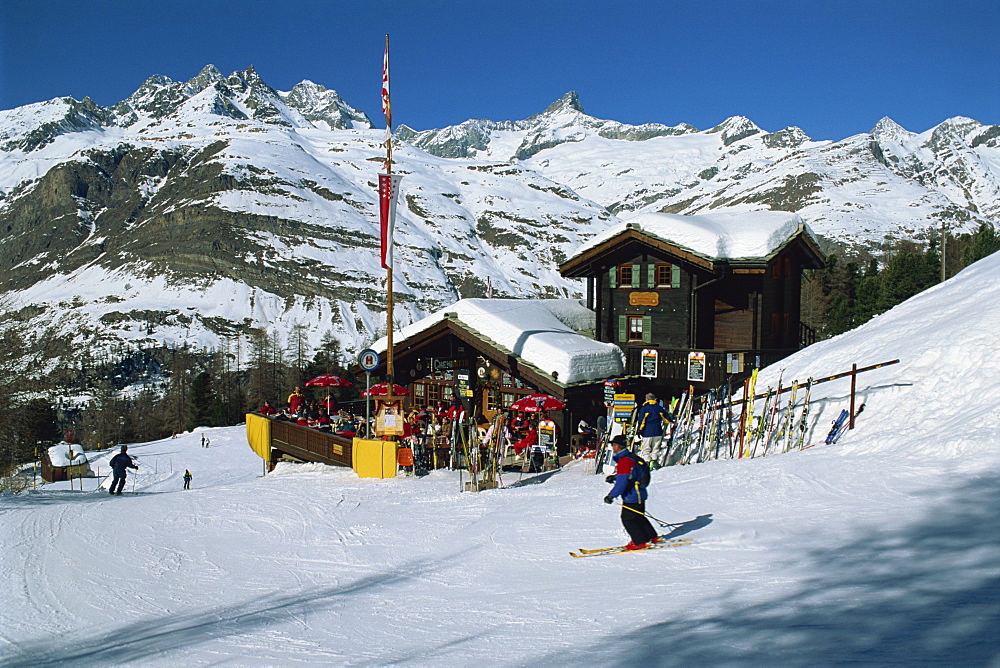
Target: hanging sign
x: 650, y: 359
x: 610, y: 387
x: 696, y: 366
x: 462, y: 387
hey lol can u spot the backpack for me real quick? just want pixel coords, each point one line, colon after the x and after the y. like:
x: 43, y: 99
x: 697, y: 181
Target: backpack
x: 640, y: 474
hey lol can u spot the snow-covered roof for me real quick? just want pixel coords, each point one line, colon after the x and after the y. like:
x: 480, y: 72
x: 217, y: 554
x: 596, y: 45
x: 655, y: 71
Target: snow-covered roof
x: 67, y: 454
x: 541, y: 332
x: 722, y: 234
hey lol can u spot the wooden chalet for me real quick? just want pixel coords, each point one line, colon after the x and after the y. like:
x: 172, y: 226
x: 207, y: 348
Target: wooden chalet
x: 491, y: 352
x: 64, y: 461
x: 692, y: 300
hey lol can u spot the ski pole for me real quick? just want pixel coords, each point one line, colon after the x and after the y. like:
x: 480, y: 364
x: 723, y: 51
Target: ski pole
x: 660, y: 522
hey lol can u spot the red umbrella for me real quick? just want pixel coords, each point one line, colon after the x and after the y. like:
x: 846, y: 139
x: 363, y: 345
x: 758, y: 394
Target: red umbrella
x: 382, y: 389
x: 538, y: 403
x: 328, y: 380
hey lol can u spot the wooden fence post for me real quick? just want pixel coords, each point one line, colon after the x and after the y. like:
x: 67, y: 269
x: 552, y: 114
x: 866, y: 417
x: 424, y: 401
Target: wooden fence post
x: 854, y: 384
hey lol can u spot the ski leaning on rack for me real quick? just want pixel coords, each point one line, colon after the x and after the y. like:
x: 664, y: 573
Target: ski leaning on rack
x: 600, y: 552
x: 843, y: 427
x: 838, y: 424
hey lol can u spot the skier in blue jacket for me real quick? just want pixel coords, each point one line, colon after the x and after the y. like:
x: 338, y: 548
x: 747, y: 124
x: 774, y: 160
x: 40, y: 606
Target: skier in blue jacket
x: 651, y: 419
x: 633, y: 497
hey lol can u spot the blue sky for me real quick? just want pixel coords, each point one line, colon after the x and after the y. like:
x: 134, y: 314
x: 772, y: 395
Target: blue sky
x: 832, y: 68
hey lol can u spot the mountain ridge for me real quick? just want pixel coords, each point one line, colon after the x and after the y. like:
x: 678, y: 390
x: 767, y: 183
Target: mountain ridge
x: 199, y: 210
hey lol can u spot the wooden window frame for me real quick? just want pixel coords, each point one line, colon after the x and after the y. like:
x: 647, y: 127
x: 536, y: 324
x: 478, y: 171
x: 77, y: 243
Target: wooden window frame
x: 663, y: 275
x: 630, y: 328
x: 630, y: 270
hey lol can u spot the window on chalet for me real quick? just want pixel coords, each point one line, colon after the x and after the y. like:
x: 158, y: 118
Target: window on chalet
x: 635, y: 329
x: 492, y: 400
x: 664, y: 275
x: 624, y: 276
x: 780, y: 323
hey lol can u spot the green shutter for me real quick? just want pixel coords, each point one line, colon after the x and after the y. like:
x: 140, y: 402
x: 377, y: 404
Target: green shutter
x: 651, y: 275
x: 636, y: 276
x: 613, y: 277
x: 622, y: 324
x: 647, y: 329
x: 675, y: 276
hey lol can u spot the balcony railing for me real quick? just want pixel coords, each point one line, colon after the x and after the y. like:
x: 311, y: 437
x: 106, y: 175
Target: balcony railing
x: 673, y: 364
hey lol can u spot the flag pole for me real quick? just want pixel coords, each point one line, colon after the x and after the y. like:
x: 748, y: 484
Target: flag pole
x: 387, y: 110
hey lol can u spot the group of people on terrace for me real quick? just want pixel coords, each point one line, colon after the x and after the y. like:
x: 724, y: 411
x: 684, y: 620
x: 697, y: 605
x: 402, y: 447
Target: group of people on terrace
x: 432, y: 430
x: 325, y: 415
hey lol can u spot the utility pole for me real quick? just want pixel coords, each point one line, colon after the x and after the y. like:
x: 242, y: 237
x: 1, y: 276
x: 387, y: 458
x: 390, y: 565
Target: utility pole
x: 944, y: 250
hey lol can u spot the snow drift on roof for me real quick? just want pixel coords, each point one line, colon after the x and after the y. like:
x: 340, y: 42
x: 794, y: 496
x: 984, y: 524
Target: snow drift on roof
x: 67, y: 454
x: 723, y: 234
x: 542, y: 332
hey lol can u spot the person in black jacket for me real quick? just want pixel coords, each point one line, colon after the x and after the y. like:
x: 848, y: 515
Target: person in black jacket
x: 119, y: 463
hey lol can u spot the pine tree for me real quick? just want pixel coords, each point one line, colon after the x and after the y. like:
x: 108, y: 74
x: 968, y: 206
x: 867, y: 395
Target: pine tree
x: 985, y: 241
x: 202, y: 403
x: 177, y: 399
x: 908, y: 273
x: 867, y: 294
x: 266, y: 371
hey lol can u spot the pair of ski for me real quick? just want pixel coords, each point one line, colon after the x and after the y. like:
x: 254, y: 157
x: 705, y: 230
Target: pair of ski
x: 676, y: 542
x: 840, y: 425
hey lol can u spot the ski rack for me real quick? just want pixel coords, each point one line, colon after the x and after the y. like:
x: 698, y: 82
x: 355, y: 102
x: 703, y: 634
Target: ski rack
x: 736, y: 433
x: 816, y: 381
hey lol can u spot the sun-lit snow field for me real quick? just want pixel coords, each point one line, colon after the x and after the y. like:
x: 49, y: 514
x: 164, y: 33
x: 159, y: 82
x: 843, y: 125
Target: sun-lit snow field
x: 882, y: 549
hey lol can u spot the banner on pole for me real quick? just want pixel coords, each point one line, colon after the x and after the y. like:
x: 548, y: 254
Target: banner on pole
x: 386, y: 107
x: 388, y: 190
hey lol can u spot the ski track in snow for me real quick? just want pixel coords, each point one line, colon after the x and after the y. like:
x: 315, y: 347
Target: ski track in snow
x: 312, y: 565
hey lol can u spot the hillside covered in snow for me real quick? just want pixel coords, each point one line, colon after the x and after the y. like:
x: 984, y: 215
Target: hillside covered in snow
x: 879, y: 550
x: 194, y: 212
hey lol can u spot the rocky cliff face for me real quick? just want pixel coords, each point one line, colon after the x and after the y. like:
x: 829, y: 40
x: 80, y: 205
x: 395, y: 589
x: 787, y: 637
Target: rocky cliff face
x: 194, y: 211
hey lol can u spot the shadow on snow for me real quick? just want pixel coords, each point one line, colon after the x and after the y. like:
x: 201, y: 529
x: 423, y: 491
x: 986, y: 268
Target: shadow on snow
x: 926, y: 593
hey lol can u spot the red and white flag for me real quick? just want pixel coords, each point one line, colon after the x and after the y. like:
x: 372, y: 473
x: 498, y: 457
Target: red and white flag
x: 386, y: 107
x: 388, y: 189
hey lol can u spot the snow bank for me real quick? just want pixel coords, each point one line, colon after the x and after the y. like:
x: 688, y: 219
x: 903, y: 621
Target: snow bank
x: 941, y: 398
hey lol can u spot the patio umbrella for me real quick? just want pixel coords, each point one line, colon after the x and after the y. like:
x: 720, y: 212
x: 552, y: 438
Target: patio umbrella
x: 328, y: 380
x: 538, y: 403
x: 382, y: 389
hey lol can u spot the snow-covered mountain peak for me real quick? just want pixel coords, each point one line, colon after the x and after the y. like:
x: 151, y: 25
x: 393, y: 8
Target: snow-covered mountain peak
x: 208, y: 76
x: 568, y: 102
x: 201, y: 182
x: 888, y: 130
x: 246, y: 79
x: 734, y: 129
x: 34, y: 126
x: 323, y: 107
